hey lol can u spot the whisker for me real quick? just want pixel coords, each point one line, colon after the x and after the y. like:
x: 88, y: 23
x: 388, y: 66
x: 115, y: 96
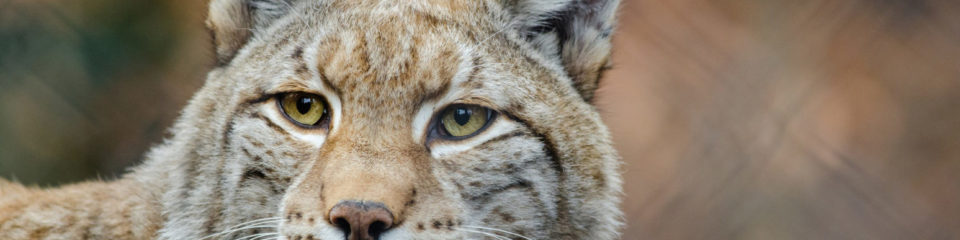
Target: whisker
x: 274, y: 236
x: 258, y: 236
x: 262, y: 224
x: 509, y: 25
x: 258, y: 220
x: 494, y: 235
x: 498, y: 230
x: 255, y: 221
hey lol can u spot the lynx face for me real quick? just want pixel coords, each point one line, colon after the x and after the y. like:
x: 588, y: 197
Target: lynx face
x: 398, y: 120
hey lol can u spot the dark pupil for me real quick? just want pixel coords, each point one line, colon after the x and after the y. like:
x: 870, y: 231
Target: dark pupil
x: 303, y: 105
x: 462, y: 115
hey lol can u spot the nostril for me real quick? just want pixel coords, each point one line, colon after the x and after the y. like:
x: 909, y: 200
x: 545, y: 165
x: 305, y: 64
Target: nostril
x: 376, y: 228
x: 343, y: 225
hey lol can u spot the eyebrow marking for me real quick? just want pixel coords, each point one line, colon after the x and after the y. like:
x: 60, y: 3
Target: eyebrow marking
x: 291, y: 85
x: 475, y: 69
x: 326, y: 81
x: 302, y: 69
x: 317, y: 56
x: 434, y: 95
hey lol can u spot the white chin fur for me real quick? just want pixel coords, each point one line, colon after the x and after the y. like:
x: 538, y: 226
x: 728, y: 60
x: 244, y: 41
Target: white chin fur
x: 319, y: 232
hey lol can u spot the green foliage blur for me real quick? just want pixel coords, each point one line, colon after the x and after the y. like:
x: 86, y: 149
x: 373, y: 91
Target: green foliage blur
x: 85, y: 86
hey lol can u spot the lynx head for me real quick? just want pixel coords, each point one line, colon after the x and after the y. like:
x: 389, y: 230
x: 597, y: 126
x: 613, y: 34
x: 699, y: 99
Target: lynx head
x: 398, y: 120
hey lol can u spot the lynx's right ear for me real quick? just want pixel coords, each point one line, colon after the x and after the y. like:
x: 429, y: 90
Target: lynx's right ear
x: 575, y: 31
x: 233, y: 22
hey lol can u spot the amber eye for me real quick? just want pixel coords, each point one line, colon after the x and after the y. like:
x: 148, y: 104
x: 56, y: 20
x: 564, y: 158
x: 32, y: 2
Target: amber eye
x: 461, y: 121
x: 305, y: 109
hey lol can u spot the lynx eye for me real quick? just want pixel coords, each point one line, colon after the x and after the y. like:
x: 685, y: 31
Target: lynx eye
x: 462, y: 121
x: 307, y: 110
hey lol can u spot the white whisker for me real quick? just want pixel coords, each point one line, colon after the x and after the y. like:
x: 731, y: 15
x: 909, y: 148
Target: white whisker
x: 494, y: 235
x: 498, y: 230
x: 496, y: 33
x: 265, y: 225
x: 274, y: 236
x: 257, y: 223
x: 258, y: 236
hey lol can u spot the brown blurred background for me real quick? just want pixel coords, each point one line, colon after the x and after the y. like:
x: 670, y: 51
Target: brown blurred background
x: 745, y: 119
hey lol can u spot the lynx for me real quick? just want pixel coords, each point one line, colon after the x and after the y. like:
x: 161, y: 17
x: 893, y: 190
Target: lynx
x: 370, y: 119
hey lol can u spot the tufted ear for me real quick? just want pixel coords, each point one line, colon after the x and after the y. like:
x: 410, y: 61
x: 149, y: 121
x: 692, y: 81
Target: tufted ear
x: 233, y: 22
x: 575, y: 31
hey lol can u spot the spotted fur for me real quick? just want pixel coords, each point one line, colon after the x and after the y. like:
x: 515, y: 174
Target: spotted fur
x: 544, y: 169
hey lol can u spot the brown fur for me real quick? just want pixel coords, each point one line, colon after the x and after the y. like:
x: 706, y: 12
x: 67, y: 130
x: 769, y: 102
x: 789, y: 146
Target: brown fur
x: 543, y: 169
x: 119, y: 210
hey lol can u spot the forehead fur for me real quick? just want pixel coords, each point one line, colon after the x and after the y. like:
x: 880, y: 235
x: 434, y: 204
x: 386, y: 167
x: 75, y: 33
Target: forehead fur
x: 390, y: 56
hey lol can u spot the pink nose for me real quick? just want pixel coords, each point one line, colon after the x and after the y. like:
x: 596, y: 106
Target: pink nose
x: 361, y: 220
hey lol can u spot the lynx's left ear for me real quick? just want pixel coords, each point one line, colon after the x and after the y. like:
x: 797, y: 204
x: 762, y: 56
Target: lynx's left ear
x: 575, y: 31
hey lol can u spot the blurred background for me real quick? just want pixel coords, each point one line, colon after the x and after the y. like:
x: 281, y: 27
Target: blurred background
x: 749, y: 119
